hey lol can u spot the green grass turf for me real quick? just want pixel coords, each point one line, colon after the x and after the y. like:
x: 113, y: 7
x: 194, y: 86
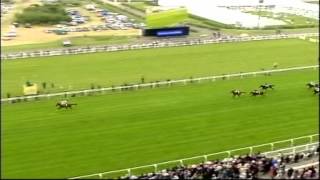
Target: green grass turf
x: 121, y: 130
x: 115, y: 68
x: 139, y: 6
x: 76, y: 41
x: 166, y: 18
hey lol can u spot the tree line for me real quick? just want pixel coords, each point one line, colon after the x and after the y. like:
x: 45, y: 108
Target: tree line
x: 43, y: 14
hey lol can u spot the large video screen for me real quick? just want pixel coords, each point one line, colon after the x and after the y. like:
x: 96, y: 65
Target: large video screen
x: 164, y: 32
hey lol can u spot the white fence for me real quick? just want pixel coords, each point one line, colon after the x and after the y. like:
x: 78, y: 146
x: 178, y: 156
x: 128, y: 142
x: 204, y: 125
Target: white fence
x: 313, y: 142
x: 154, y: 84
x: 156, y: 44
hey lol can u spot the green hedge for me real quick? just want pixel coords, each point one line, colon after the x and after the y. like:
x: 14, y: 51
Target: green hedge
x: 118, y: 10
x: 290, y: 26
x: 44, y: 14
x: 70, y: 2
x: 133, y: 7
x: 212, y: 23
x: 217, y: 25
x: 203, y: 26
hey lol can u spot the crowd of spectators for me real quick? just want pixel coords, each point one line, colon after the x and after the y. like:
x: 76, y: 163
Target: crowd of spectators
x: 242, y: 167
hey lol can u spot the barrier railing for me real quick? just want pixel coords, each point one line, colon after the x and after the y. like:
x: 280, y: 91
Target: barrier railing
x: 313, y: 142
x: 154, y: 84
x: 157, y: 44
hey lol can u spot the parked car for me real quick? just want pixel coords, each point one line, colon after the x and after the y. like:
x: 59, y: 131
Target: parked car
x: 11, y: 34
x: 27, y: 25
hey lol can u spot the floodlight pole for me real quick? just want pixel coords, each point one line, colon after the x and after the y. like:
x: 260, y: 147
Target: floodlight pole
x: 259, y: 11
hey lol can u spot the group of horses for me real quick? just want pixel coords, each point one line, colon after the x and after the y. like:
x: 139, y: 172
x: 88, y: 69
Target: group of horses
x: 314, y: 86
x: 261, y: 91
x: 236, y: 93
x: 256, y: 92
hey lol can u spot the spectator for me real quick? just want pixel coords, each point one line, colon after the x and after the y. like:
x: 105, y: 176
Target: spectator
x: 243, y: 167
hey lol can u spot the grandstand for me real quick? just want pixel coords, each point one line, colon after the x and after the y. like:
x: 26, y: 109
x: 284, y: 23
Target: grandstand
x: 296, y: 161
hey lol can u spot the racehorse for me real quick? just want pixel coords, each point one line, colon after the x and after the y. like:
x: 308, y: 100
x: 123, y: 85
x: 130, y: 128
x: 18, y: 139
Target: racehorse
x: 316, y: 90
x: 257, y: 93
x: 64, y: 105
x: 237, y: 92
x: 267, y: 86
x: 312, y: 84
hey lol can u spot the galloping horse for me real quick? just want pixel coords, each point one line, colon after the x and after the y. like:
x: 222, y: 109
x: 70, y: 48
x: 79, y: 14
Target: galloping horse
x: 312, y: 84
x: 267, y: 86
x: 237, y: 92
x: 257, y: 93
x: 64, y: 104
x: 316, y: 90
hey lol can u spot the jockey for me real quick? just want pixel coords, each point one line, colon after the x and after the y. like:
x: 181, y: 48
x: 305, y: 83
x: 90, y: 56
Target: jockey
x: 64, y: 102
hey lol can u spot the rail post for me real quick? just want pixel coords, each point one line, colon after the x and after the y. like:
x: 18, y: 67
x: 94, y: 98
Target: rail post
x: 291, y: 145
x: 129, y: 172
x: 100, y: 176
x: 155, y: 168
x: 181, y: 163
x: 229, y: 153
x: 272, y: 146
x: 205, y: 158
x: 311, y: 139
x: 251, y: 150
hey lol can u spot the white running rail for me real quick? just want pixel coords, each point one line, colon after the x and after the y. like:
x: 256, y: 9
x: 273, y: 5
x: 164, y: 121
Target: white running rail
x: 159, y: 44
x: 154, y: 84
x: 312, y: 142
x: 304, y: 166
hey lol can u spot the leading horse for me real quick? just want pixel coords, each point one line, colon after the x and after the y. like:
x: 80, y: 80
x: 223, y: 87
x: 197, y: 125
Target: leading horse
x: 267, y: 86
x: 312, y: 84
x: 64, y: 105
